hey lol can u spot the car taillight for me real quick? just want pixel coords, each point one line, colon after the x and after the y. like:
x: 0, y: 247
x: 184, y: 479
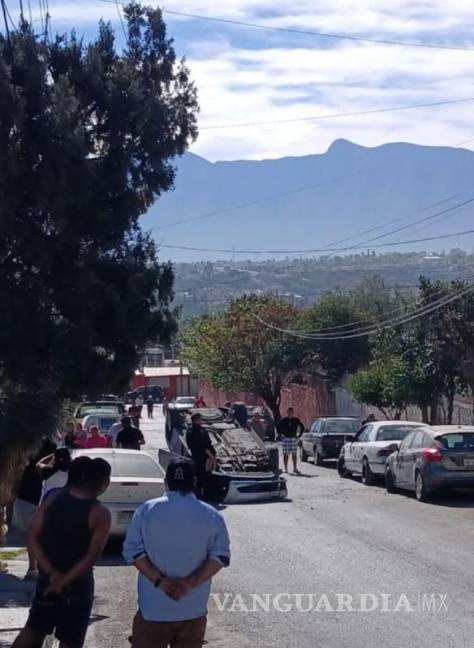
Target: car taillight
x: 432, y: 455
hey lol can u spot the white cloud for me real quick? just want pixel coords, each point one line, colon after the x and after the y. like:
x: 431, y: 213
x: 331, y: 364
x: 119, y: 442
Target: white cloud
x: 251, y: 75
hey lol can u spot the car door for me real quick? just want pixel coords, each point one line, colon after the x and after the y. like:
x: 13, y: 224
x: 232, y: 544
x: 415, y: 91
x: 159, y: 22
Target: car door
x: 356, y: 449
x: 403, y: 459
x: 414, y: 451
x: 308, y: 438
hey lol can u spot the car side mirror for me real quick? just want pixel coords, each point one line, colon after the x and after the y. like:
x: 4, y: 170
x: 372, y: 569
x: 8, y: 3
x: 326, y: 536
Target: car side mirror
x: 348, y: 438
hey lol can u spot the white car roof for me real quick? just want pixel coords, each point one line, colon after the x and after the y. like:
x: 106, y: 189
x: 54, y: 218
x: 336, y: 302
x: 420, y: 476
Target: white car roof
x: 396, y: 423
x: 446, y: 429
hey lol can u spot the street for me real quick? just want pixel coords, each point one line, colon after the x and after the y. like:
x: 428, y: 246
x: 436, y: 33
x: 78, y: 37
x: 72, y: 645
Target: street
x: 333, y: 537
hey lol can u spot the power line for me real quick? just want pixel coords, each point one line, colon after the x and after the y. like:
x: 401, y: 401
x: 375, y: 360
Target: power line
x: 378, y: 328
x: 342, y: 249
x: 259, y: 201
x: 117, y: 4
x: 358, y: 113
x: 305, y: 32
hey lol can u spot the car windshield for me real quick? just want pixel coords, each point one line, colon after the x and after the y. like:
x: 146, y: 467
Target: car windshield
x: 132, y: 465
x: 95, y: 408
x: 341, y: 426
x: 458, y: 441
x: 186, y: 400
x: 106, y: 422
x: 393, y: 432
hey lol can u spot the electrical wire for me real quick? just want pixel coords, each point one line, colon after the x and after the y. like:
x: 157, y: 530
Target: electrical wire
x: 359, y: 113
x: 318, y: 34
x: 376, y: 329
x: 265, y: 199
x: 344, y: 249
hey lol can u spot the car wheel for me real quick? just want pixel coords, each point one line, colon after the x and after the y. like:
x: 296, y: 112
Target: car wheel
x: 368, y: 477
x: 341, y: 468
x: 421, y: 492
x: 318, y: 460
x: 389, y: 481
x: 303, y: 455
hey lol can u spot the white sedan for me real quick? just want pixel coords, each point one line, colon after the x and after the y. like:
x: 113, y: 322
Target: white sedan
x: 367, y: 453
x: 136, y: 477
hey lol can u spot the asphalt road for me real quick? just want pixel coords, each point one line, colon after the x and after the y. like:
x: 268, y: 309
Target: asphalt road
x: 333, y: 537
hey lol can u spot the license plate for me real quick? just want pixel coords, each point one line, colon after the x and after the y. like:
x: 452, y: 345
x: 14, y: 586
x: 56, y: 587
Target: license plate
x: 469, y: 463
x: 124, y: 517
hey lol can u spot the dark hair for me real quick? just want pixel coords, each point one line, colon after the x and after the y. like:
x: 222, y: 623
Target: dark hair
x: 62, y: 459
x: 195, y: 417
x: 85, y: 472
x: 126, y: 421
x: 180, y: 476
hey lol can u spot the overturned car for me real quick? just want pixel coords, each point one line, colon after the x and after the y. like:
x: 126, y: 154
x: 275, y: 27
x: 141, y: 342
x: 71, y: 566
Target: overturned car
x: 247, y: 470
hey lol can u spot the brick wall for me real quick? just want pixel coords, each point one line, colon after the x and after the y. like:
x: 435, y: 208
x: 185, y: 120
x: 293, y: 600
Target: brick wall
x: 309, y: 402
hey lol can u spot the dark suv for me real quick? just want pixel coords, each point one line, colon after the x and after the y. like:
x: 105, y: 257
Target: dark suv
x: 326, y: 437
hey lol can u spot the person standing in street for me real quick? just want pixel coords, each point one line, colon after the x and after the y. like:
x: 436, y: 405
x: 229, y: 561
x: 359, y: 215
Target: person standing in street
x: 178, y: 544
x: 95, y: 439
x: 150, y: 403
x: 129, y: 437
x: 290, y: 428
x: 68, y: 534
x: 28, y: 498
x: 200, y: 403
x: 257, y: 426
x: 114, y: 429
x: 203, y: 455
x: 139, y: 403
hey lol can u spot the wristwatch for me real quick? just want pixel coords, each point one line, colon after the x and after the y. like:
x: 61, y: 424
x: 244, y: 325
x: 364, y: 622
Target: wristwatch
x: 158, y: 582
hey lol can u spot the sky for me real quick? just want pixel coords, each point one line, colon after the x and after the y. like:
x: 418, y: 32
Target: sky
x: 250, y: 75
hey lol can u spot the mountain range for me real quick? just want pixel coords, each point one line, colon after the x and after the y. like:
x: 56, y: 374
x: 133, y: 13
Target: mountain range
x: 317, y: 201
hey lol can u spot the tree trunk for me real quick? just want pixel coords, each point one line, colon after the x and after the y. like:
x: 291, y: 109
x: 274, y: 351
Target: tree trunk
x: 273, y: 402
x: 424, y: 414
x: 450, y: 413
x: 434, y: 410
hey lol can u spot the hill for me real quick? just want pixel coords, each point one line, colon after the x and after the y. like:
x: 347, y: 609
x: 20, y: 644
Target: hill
x: 311, y: 201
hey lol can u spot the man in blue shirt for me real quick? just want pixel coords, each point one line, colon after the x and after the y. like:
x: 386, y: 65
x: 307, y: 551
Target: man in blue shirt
x: 178, y: 544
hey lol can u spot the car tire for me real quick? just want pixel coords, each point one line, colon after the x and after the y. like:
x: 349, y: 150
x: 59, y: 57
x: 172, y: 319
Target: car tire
x: 318, y: 460
x: 303, y: 455
x: 389, y: 481
x: 341, y: 468
x: 368, y: 477
x: 421, y: 492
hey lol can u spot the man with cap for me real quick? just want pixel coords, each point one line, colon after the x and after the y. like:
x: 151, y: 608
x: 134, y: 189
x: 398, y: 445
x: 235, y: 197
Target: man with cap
x: 177, y: 543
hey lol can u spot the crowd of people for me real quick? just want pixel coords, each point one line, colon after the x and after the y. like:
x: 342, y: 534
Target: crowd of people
x: 70, y: 530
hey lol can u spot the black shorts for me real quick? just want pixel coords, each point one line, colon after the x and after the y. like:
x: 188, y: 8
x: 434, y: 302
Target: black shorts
x: 66, y: 615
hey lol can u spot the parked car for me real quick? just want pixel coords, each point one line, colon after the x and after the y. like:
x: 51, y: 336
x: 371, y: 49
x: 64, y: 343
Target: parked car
x: 103, y: 421
x: 98, y: 408
x: 367, y: 453
x: 136, y: 477
x: 326, y: 437
x: 188, y: 401
x: 432, y: 459
x: 154, y: 390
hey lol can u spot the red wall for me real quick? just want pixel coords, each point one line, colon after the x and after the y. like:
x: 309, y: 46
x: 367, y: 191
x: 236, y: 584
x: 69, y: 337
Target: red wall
x: 309, y: 402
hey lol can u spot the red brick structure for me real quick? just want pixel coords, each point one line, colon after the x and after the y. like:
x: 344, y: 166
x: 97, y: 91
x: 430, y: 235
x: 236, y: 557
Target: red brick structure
x: 309, y: 402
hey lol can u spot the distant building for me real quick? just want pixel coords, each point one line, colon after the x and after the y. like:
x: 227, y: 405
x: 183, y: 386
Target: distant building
x: 153, y: 357
x: 175, y: 381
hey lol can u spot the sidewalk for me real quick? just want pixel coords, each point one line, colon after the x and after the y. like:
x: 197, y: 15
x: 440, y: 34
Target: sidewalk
x: 15, y: 593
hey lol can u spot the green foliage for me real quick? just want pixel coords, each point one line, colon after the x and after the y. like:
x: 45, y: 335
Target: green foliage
x: 87, y: 140
x: 235, y: 351
x: 337, y: 357
x: 383, y: 384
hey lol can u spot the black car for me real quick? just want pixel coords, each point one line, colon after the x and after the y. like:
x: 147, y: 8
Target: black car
x: 326, y: 437
x: 155, y: 391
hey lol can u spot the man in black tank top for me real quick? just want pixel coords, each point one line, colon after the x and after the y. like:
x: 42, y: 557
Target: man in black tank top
x: 68, y: 535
